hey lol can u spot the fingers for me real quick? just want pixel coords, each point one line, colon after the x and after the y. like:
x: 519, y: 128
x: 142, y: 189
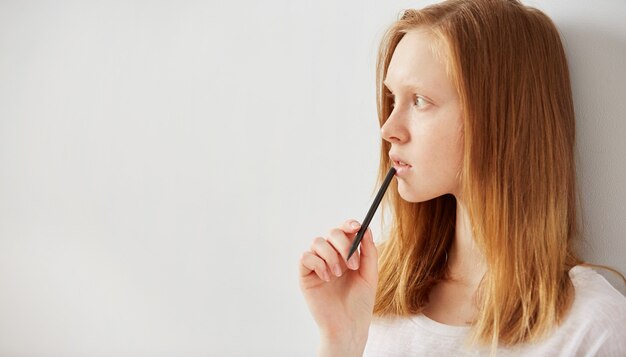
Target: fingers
x: 342, y: 239
x: 327, y: 252
x: 367, y: 256
x: 323, y: 259
x: 327, y: 256
x: 310, y: 262
x: 369, y: 259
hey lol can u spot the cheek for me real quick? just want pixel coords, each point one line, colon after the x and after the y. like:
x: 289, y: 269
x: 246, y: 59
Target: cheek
x: 440, y: 147
x: 439, y: 155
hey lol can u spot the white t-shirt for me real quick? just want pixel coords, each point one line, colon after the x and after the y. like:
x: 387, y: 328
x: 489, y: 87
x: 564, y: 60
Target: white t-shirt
x: 595, y: 326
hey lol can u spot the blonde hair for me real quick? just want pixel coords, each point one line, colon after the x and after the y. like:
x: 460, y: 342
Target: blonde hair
x: 518, y: 175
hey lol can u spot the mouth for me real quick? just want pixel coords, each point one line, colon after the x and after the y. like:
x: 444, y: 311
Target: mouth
x: 402, y: 168
x: 397, y: 163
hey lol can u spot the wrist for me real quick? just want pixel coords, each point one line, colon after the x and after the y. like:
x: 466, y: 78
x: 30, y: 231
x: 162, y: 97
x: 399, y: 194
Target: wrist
x: 345, y: 345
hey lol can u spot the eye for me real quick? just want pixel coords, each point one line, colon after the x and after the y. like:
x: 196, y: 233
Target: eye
x: 421, y: 100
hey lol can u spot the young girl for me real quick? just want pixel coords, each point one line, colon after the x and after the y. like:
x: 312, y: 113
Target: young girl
x: 476, y: 113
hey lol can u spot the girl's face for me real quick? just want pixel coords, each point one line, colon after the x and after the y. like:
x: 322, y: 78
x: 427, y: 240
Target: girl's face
x: 425, y: 128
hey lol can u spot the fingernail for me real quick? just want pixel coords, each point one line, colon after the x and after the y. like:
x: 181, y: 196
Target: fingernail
x: 337, y: 270
x: 355, y: 224
x: 326, y: 276
x: 352, y: 263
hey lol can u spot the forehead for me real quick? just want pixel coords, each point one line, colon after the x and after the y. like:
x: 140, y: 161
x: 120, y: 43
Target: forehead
x: 418, y: 62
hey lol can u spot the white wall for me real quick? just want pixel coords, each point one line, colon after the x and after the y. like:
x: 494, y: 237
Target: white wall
x: 164, y: 164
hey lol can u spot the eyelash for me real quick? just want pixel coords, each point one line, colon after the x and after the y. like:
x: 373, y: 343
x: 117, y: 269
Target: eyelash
x: 391, y: 96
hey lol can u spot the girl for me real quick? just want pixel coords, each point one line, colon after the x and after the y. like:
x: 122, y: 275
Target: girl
x: 476, y: 113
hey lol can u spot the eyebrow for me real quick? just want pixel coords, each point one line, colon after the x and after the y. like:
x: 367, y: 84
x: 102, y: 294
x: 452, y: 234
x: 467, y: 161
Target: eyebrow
x: 407, y: 86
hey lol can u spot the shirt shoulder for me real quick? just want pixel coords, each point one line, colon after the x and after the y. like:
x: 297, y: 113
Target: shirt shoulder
x: 597, y: 314
x: 594, y: 294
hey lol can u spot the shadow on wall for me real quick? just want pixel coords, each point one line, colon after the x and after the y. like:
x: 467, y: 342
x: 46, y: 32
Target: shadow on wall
x: 596, y: 62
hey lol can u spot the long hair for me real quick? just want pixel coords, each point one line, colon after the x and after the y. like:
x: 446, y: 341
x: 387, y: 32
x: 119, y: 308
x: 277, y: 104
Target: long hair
x: 518, y: 175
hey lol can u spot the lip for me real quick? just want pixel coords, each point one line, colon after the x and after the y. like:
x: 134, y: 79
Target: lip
x: 401, y: 170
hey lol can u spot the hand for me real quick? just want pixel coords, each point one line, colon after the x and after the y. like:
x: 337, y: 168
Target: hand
x: 340, y: 295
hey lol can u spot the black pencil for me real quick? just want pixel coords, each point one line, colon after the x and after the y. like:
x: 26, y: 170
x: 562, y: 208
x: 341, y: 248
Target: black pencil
x: 370, y: 213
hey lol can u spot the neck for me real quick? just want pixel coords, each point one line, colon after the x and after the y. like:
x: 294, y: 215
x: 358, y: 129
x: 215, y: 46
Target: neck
x: 466, y: 263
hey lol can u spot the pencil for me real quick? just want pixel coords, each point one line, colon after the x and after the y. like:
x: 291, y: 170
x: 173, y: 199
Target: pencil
x: 370, y: 213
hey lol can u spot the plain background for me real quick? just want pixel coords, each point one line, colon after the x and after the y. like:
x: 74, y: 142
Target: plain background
x: 163, y: 164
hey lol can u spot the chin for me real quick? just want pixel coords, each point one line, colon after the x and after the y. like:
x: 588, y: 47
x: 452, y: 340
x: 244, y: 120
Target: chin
x: 412, y: 196
x: 416, y: 199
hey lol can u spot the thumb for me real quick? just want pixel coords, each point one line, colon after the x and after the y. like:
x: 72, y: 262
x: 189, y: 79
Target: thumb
x: 368, y: 259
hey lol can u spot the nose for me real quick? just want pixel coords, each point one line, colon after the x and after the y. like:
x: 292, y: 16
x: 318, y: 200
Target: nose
x: 394, y: 130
